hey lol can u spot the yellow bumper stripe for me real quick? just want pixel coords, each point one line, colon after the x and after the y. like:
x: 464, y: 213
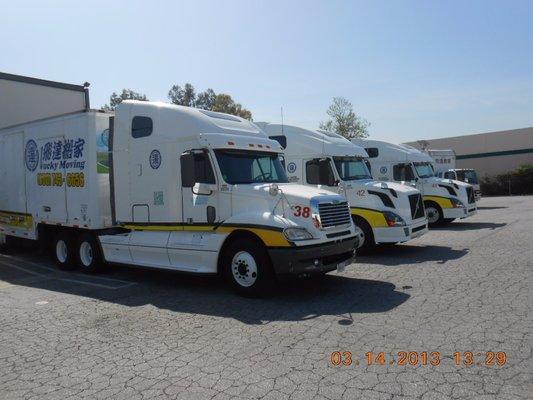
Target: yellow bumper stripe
x: 443, y: 202
x: 375, y: 218
x: 271, y: 238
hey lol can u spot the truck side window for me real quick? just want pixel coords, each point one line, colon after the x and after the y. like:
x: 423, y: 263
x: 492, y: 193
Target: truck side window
x: 319, y: 172
x: 141, y: 127
x: 282, y: 140
x: 373, y: 152
x: 203, y: 169
x: 312, y: 172
x: 449, y: 175
x: 402, y: 172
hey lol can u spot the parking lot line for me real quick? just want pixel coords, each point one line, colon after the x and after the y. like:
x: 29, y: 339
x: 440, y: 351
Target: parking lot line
x: 85, y: 280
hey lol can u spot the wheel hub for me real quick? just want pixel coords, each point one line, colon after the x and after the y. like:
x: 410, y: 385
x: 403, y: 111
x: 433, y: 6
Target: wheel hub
x: 61, y: 251
x: 244, y: 269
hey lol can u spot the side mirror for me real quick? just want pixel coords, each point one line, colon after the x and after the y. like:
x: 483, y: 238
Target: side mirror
x: 188, y: 173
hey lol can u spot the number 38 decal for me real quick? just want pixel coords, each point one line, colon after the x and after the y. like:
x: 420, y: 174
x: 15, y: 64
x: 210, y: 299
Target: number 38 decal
x: 304, y: 212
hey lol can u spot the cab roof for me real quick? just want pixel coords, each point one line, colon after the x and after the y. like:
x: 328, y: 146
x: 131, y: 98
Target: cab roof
x: 394, y: 152
x: 208, y: 127
x: 303, y: 142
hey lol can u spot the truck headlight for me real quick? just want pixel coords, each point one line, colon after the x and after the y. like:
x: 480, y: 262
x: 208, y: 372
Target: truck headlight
x: 393, y: 219
x: 295, y: 234
x: 456, y: 203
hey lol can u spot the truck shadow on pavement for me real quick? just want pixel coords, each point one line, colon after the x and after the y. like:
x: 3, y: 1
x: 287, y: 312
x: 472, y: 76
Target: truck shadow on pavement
x: 295, y: 300
x: 402, y: 254
x: 466, y: 226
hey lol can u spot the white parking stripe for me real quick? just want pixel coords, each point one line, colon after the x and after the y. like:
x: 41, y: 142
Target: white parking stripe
x: 97, y: 284
x: 86, y: 281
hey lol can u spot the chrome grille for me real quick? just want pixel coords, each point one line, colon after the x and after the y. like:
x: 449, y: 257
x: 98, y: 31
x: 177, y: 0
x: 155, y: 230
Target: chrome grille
x: 334, y: 214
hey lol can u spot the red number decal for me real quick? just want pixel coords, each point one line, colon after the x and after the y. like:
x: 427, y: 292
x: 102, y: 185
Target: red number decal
x: 304, y: 212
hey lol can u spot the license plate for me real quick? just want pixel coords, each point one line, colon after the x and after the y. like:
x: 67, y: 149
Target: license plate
x: 341, y: 266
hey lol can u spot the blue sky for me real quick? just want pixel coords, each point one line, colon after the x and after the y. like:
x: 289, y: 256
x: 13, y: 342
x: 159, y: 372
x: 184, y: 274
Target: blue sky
x: 414, y: 69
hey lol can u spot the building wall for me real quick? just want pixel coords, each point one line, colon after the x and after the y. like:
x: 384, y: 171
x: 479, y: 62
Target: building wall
x: 24, y: 99
x: 490, y: 153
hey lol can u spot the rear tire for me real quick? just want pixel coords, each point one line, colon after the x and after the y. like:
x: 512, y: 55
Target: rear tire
x: 434, y: 213
x: 369, y: 242
x: 247, y: 268
x: 62, y: 251
x: 89, y: 255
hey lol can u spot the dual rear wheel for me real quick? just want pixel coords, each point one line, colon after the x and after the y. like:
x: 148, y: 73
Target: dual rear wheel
x: 71, y: 251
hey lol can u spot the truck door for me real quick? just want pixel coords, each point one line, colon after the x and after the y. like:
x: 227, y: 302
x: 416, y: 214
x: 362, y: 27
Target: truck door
x: 46, y: 184
x: 200, y: 202
x: 12, y: 173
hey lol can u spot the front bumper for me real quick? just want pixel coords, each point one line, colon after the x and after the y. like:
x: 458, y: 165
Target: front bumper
x: 453, y: 213
x: 308, y: 260
x: 399, y: 234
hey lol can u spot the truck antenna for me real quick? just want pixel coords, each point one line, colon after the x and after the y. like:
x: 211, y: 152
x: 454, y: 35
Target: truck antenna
x: 282, y: 121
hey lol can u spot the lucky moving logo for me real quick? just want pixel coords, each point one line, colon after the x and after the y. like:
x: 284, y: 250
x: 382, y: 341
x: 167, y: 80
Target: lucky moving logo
x: 55, y: 154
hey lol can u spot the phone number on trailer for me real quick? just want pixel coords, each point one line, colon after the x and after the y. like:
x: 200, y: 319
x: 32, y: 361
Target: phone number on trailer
x: 415, y: 358
x: 74, y: 179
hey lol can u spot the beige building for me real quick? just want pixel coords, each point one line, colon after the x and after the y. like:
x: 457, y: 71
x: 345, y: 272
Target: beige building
x: 489, y: 153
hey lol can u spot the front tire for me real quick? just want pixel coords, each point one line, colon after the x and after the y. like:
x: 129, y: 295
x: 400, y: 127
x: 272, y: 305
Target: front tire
x: 368, y: 238
x: 247, y: 268
x: 434, y: 213
x: 89, y: 256
x: 62, y: 251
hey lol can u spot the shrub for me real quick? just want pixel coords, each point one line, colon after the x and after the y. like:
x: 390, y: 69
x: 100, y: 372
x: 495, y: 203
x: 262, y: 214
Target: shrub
x: 517, y: 182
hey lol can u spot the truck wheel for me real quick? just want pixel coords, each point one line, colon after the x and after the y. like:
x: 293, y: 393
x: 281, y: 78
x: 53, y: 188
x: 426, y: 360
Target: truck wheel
x: 434, y: 213
x: 89, y: 256
x: 368, y: 235
x: 62, y: 251
x: 247, y: 268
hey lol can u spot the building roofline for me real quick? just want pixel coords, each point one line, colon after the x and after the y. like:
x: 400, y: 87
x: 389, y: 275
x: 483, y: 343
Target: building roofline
x: 41, y: 82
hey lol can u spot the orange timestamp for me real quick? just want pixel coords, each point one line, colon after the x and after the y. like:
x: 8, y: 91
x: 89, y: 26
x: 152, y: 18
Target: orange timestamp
x: 423, y: 358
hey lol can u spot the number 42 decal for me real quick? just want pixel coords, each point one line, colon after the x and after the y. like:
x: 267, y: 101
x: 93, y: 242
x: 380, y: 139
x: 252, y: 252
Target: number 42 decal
x: 304, y: 212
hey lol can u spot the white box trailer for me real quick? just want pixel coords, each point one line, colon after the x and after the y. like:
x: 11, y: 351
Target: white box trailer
x: 444, y: 160
x: 48, y: 169
x: 164, y: 186
x: 444, y: 165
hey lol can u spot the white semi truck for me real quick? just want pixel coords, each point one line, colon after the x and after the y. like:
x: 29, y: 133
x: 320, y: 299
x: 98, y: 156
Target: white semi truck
x: 386, y: 212
x: 444, y: 165
x: 164, y: 186
x: 444, y: 199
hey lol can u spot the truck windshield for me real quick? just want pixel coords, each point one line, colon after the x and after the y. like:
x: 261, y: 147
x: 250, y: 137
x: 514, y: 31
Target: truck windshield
x: 351, y: 168
x: 239, y: 167
x: 424, y: 170
x: 469, y: 174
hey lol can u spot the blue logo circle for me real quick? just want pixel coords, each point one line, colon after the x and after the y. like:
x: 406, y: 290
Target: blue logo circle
x: 291, y: 167
x: 155, y: 159
x: 383, y: 170
x: 31, y: 155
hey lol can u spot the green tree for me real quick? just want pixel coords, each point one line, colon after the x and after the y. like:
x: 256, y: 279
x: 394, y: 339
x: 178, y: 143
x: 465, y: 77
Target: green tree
x: 225, y: 104
x: 127, y: 94
x: 207, y: 100
x: 185, y: 96
x: 344, y: 121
